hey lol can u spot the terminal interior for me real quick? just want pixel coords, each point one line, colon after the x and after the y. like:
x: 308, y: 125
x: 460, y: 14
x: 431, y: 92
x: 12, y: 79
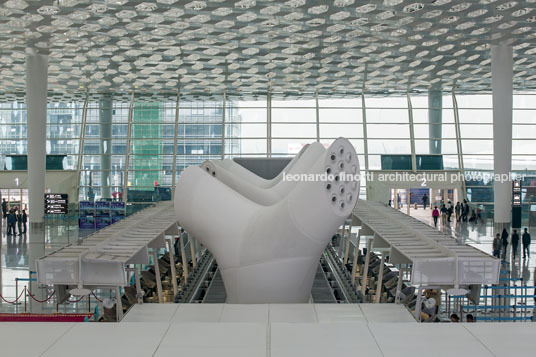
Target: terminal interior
x: 108, y: 108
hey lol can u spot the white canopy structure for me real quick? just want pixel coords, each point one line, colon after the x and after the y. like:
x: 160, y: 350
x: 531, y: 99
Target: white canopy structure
x: 436, y: 258
x: 100, y: 259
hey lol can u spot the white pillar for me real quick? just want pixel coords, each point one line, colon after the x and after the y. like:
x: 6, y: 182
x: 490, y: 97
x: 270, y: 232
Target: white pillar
x: 399, y: 285
x: 36, y: 108
x: 173, y: 267
x: 408, y: 201
x: 158, y: 277
x: 184, y: 259
x: 192, y: 251
x: 105, y: 121
x: 364, y: 276
x: 435, y: 106
x: 380, y: 279
x: 502, y: 79
x: 356, y: 256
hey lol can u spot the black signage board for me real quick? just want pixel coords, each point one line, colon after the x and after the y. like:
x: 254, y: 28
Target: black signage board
x: 56, y: 203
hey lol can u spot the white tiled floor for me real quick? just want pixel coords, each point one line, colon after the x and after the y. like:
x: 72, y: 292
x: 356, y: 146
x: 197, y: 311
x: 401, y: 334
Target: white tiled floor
x: 322, y: 339
x: 109, y: 339
x: 210, y: 339
x: 326, y: 337
x: 198, y: 313
x: 245, y: 313
x: 339, y: 313
x: 292, y: 313
x: 440, y: 339
x: 386, y: 313
x: 151, y: 313
x: 15, y: 336
x: 265, y: 314
x: 506, y: 338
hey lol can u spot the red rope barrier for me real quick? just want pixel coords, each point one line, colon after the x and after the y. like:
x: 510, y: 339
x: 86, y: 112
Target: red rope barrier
x: 95, y: 296
x: 75, y: 301
x: 42, y: 301
x: 17, y: 299
x: 47, y: 299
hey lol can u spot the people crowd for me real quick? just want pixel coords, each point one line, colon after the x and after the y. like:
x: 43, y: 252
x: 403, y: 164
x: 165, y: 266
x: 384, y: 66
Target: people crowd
x: 445, y: 213
x: 16, y: 219
x: 501, y: 242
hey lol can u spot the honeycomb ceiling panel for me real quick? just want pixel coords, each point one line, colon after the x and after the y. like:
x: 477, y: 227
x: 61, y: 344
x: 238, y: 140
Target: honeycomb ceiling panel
x: 247, y: 47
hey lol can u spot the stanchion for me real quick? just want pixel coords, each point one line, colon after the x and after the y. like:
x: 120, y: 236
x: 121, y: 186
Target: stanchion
x: 17, y: 293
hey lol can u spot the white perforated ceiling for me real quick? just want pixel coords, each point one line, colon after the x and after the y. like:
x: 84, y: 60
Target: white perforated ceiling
x: 248, y: 46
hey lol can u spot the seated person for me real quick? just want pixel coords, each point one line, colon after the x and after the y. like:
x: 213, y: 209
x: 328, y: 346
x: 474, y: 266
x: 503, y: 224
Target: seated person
x: 429, y: 303
x: 470, y: 318
x: 454, y: 318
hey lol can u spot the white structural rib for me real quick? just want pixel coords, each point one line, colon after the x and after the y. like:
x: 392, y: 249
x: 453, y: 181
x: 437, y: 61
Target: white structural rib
x: 436, y: 258
x: 105, y: 253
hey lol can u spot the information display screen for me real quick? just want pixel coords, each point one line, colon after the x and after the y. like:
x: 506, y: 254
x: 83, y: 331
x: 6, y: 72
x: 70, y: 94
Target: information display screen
x: 56, y: 203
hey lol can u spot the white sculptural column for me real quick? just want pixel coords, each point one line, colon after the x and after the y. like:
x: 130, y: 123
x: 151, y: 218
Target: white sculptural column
x: 269, y: 253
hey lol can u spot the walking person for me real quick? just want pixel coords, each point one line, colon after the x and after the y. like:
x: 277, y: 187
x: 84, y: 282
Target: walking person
x: 444, y: 216
x: 435, y: 215
x: 449, y: 211
x: 515, y: 243
x: 425, y: 200
x: 11, y: 221
x: 526, y: 244
x: 458, y: 210
x: 4, y: 207
x: 24, y: 221
x: 465, y: 210
x: 497, y: 246
x: 399, y: 200
x: 504, y: 238
x: 19, y: 222
x: 479, y: 215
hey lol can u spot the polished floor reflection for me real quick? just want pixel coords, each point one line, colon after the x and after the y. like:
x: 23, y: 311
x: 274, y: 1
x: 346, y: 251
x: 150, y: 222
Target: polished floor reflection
x: 514, y: 272
x: 17, y: 256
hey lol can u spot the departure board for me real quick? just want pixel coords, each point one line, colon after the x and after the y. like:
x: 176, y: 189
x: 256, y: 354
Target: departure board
x: 56, y: 203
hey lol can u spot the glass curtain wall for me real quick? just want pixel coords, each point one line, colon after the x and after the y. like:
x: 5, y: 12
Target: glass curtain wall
x: 62, y: 131
x: 476, y: 129
x: 443, y: 132
x: 388, y: 129
x: 523, y: 151
x: 12, y: 133
x: 246, y: 128
x: 98, y: 143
